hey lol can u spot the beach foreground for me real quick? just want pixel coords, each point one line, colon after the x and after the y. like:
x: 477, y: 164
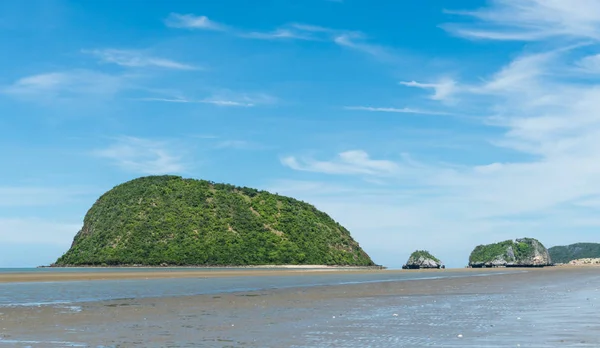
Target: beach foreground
x: 550, y: 307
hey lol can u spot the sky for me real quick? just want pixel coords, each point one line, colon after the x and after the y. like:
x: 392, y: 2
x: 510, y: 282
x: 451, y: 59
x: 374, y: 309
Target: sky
x: 436, y: 125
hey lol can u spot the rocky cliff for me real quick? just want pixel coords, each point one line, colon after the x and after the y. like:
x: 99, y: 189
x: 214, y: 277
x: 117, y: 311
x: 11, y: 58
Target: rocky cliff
x: 422, y: 259
x: 523, y: 252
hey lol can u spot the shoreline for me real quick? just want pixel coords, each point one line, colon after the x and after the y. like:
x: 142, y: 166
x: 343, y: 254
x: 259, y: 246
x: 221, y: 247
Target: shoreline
x: 138, y: 273
x: 20, y: 277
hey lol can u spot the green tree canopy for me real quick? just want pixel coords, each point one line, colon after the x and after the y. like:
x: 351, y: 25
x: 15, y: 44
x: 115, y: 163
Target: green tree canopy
x: 170, y: 220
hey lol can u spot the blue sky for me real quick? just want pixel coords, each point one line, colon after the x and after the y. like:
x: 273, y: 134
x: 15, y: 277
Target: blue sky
x: 437, y: 125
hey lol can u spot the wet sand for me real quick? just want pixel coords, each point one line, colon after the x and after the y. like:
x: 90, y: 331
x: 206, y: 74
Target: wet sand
x: 550, y: 307
x: 125, y: 274
x: 175, y: 273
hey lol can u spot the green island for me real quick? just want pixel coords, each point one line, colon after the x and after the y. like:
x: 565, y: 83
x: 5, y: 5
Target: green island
x: 565, y: 254
x: 169, y: 220
x: 523, y: 252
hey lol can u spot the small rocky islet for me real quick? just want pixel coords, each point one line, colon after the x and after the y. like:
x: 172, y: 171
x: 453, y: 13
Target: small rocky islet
x: 422, y: 259
x: 521, y: 252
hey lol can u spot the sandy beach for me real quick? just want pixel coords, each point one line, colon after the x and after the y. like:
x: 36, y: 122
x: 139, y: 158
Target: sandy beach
x: 534, y: 308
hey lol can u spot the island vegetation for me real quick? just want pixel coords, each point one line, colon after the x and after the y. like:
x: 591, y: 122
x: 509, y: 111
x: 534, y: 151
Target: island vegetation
x: 169, y: 220
x: 565, y: 254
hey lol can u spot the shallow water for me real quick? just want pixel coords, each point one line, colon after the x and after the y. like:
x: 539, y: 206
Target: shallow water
x: 41, y: 293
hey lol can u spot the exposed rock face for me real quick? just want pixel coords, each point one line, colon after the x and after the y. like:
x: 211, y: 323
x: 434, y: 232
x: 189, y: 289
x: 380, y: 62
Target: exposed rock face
x: 523, y: 252
x: 422, y: 259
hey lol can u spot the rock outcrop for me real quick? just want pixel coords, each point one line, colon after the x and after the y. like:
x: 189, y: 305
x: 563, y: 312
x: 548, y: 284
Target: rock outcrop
x: 422, y: 259
x: 523, y: 252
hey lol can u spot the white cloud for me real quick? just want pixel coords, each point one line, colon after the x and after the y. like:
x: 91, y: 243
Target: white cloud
x: 347, y: 163
x: 136, y: 59
x: 190, y: 21
x: 143, y: 156
x: 532, y: 20
x: 65, y: 85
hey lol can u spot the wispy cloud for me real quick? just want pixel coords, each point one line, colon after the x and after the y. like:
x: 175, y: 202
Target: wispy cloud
x: 224, y: 98
x: 40, y: 196
x: 347, y: 163
x: 443, y: 89
x: 278, y: 34
x: 218, y: 102
x: 36, y: 230
x: 354, y: 40
x: 136, y: 59
x: 65, y: 85
x: 238, y: 145
x: 145, y: 156
x: 590, y: 64
x: 395, y: 110
x: 531, y: 20
x: 190, y: 21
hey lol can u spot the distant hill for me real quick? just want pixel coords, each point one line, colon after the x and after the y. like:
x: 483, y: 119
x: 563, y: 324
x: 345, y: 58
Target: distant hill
x: 168, y: 220
x: 523, y: 252
x: 564, y: 254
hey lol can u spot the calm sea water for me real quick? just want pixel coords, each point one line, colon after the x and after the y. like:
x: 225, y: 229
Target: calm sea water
x: 45, y: 293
